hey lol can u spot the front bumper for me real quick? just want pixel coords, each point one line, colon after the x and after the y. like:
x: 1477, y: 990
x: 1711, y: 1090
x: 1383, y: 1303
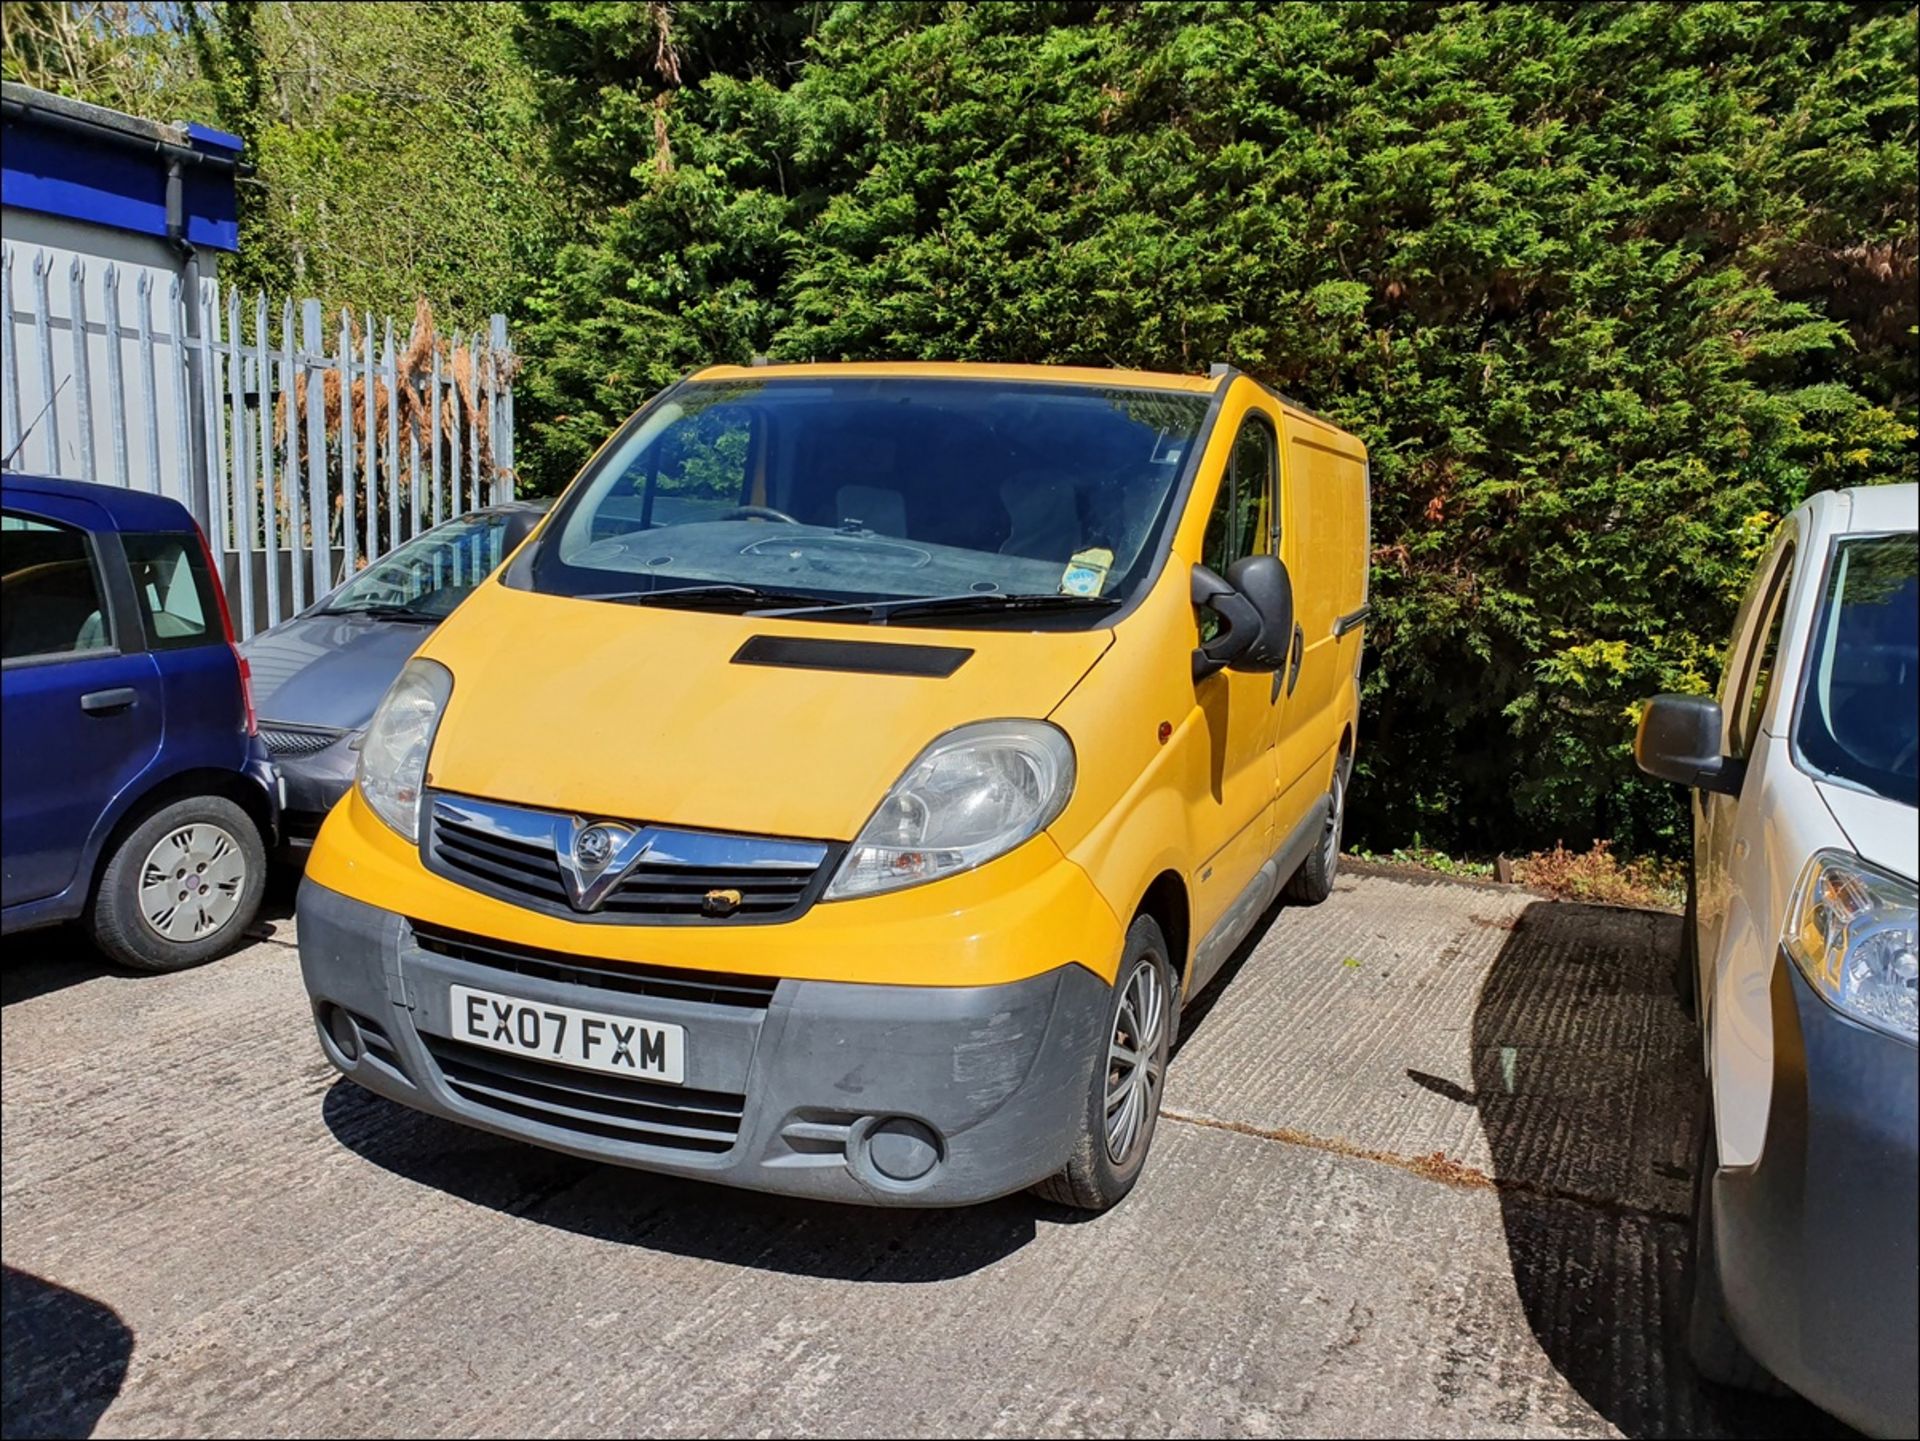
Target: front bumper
x: 832, y: 1090
x: 315, y: 783
x: 261, y: 770
x: 1816, y: 1240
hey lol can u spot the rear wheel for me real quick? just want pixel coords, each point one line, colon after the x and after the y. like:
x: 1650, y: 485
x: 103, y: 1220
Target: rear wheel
x: 1123, y: 1095
x: 1717, y: 1353
x: 182, y: 886
x: 1313, y: 882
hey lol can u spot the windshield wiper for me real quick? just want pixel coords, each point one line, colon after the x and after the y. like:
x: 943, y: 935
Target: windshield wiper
x: 991, y: 602
x: 387, y: 610
x: 695, y: 597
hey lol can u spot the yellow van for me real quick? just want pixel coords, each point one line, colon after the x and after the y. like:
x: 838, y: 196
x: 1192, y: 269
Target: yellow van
x: 842, y: 790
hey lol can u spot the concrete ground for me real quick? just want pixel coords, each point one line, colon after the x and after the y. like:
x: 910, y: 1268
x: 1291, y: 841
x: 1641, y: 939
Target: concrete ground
x: 1423, y: 1170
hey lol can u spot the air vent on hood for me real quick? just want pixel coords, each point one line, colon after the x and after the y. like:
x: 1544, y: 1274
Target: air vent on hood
x: 867, y: 657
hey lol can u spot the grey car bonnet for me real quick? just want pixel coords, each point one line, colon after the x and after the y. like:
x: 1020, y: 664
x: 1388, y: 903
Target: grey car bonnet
x: 329, y: 670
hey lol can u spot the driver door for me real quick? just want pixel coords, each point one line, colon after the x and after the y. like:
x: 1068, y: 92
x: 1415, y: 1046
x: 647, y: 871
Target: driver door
x: 1234, y: 820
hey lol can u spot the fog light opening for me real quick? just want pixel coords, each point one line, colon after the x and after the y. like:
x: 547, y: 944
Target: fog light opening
x: 901, y: 1149
x: 343, y: 1031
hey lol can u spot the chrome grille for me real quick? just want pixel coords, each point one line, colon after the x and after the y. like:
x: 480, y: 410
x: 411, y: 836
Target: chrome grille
x: 512, y: 853
x: 282, y: 740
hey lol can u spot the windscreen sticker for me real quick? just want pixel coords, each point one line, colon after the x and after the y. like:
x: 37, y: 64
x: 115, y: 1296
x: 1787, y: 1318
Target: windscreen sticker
x: 1086, y: 572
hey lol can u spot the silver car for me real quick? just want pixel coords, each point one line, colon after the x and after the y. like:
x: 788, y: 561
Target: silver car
x: 317, y: 676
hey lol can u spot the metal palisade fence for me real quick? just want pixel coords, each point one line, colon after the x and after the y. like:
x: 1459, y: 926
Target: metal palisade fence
x: 306, y: 443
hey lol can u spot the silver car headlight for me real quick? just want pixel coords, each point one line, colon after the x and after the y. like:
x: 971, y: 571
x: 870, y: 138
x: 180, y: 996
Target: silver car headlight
x: 393, y: 756
x: 1851, y: 930
x: 974, y: 794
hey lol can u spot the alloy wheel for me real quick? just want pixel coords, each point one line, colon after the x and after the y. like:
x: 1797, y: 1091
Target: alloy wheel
x: 1135, y: 1065
x: 190, y: 882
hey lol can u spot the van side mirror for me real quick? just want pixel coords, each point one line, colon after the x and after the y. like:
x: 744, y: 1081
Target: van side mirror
x: 1255, y: 606
x: 1679, y: 741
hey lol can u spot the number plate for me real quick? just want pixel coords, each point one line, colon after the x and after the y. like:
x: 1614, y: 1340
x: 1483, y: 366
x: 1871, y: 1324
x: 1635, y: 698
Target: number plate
x: 588, y: 1040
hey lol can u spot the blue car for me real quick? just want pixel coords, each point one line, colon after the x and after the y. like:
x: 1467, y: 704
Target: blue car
x: 135, y: 792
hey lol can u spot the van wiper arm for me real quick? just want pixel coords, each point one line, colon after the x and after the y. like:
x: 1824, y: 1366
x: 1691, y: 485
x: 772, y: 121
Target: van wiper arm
x: 694, y: 597
x: 991, y: 602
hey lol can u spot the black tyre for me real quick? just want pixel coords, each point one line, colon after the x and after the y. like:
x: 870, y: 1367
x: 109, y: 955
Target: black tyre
x: 1686, y: 964
x: 1312, y: 883
x: 181, y: 887
x: 1717, y: 1353
x: 1123, y: 1094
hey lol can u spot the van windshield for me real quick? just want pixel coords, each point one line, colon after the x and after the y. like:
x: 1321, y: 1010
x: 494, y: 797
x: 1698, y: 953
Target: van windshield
x: 800, y: 494
x: 1856, y: 722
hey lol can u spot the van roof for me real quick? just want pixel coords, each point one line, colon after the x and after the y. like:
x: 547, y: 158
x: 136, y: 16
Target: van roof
x: 965, y: 370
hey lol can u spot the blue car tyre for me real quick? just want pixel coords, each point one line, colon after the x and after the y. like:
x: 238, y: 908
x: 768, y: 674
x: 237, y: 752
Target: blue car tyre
x: 182, y: 886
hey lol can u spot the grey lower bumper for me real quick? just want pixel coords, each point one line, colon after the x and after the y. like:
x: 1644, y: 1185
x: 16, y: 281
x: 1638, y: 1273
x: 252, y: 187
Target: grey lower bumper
x: 896, y: 1095
x: 1816, y: 1240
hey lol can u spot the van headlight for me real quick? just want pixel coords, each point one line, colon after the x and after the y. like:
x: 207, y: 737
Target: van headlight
x: 1851, y: 930
x: 976, y: 793
x: 393, y: 758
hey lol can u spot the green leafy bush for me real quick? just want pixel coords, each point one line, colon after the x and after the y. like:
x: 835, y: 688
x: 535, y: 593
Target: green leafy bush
x: 1605, y: 288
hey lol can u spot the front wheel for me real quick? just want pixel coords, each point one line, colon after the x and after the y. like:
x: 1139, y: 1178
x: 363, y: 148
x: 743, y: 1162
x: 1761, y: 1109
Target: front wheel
x: 182, y: 886
x: 1123, y: 1095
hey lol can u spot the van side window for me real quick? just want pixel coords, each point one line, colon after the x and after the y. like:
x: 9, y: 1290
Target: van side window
x: 50, y: 600
x: 1757, y: 685
x: 1242, y: 520
x: 1243, y: 510
x: 176, y: 593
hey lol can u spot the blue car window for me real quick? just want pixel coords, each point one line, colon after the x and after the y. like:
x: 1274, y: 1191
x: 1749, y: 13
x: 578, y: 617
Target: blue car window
x: 50, y: 595
x: 170, y: 577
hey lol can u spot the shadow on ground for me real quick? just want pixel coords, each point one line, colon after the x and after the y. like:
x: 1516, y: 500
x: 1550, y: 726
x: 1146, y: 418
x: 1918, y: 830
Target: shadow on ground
x: 42, y: 961
x: 66, y: 1356
x: 55, y: 957
x: 1586, y: 1076
x: 685, y: 1218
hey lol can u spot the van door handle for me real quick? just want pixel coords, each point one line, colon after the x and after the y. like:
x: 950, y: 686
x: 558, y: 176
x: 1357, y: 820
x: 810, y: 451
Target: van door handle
x: 100, y: 702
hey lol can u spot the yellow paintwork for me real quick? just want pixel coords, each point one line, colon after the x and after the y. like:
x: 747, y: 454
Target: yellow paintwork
x: 638, y: 713
x: 635, y: 711
x: 1028, y: 912
x: 968, y: 370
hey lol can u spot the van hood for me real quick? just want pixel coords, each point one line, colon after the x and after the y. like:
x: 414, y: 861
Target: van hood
x: 1879, y: 829
x: 644, y: 713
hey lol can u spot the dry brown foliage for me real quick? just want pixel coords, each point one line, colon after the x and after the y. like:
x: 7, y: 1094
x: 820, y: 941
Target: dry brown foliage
x: 472, y: 372
x: 1599, y: 876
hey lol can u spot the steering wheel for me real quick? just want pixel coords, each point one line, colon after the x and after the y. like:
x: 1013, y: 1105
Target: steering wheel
x: 757, y: 512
